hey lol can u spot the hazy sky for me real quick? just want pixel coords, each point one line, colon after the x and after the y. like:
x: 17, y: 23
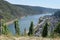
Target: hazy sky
x: 43, y: 3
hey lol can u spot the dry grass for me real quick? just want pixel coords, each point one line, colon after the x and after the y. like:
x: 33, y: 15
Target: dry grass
x: 26, y: 38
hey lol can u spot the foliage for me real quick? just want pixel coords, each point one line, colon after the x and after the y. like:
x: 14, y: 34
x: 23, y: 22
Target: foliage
x: 5, y: 30
x: 30, y: 33
x: 57, y: 14
x: 57, y: 29
x: 45, y: 30
x: 17, y: 29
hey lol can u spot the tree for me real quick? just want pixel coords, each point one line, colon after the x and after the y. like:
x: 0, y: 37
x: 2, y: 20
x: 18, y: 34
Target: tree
x: 57, y: 29
x: 45, y: 30
x: 30, y: 33
x: 57, y: 14
x: 17, y: 29
x: 4, y: 27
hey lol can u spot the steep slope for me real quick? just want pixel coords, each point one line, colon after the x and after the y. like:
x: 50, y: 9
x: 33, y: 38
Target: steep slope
x: 10, y: 11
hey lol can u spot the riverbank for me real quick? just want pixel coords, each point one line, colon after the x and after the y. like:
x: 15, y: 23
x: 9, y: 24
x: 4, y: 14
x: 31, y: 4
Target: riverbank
x: 26, y: 38
x: 12, y: 21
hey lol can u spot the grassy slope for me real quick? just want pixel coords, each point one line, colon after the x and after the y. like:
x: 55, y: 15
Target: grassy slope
x: 26, y: 38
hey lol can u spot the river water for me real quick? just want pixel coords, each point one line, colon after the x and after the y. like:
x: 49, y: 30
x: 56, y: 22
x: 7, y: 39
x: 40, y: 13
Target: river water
x: 25, y: 22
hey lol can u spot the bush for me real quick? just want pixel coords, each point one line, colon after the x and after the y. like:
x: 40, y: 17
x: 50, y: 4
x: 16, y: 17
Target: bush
x: 5, y: 30
x: 57, y: 29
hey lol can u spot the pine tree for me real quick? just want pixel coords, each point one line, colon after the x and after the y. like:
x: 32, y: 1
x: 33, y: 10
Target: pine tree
x: 30, y: 33
x: 17, y: 29
x: 45, y: 30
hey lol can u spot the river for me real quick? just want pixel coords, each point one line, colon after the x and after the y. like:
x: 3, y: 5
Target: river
x: 25, y: 22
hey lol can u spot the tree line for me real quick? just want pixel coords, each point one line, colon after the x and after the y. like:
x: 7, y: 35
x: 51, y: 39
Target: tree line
x: 5, y: 31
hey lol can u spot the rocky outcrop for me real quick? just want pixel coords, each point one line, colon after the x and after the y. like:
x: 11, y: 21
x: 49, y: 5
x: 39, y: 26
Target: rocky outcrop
x: 51, y: 20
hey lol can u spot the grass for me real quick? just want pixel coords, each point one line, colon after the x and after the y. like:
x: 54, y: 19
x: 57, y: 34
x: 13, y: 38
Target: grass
x: 26, y: 38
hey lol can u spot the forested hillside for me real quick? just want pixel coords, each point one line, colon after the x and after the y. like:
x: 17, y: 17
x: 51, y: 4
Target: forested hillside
x: 10, y: 11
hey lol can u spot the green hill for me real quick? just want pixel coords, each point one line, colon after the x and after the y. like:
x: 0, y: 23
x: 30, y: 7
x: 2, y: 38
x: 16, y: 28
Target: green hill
x: 10, y: 11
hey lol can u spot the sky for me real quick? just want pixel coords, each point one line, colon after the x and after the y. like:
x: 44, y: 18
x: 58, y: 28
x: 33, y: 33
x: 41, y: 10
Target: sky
x: 43, y: 3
